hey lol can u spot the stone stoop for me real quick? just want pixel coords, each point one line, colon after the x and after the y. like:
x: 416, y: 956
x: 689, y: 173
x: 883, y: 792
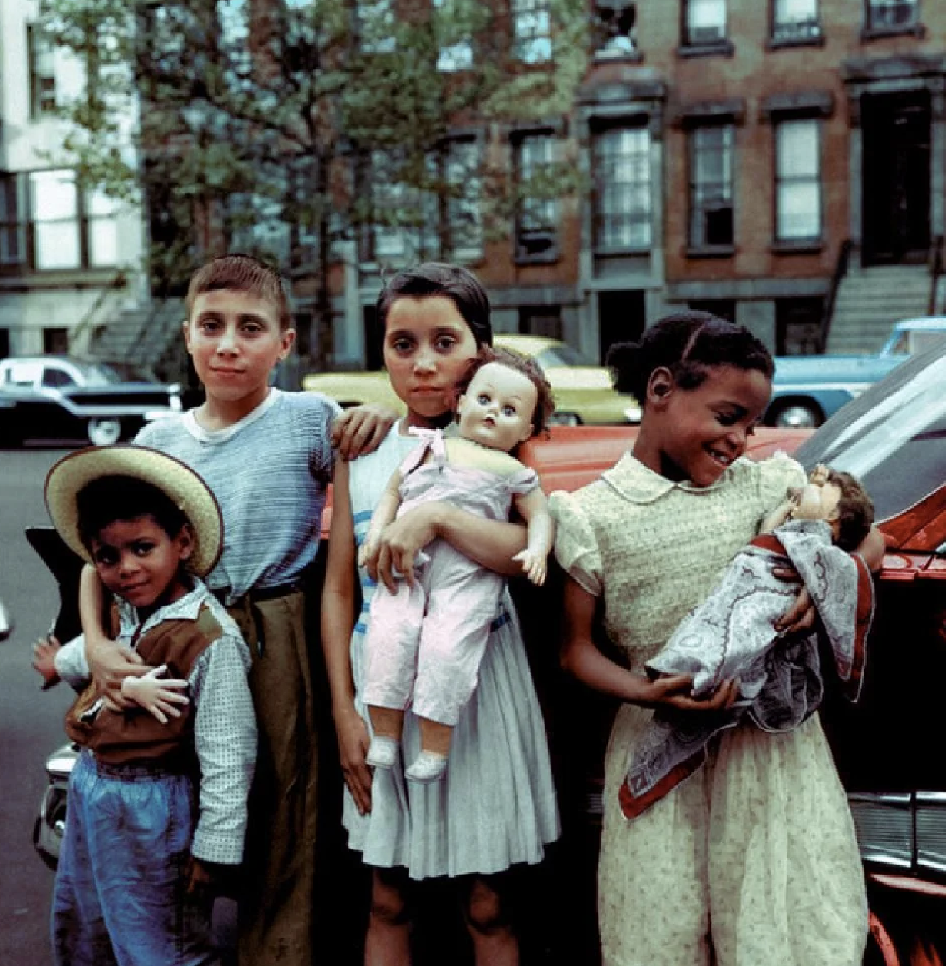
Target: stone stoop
x: 870, y: 300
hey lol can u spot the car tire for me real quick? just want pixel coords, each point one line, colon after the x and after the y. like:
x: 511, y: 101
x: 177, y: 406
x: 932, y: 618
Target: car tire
x: 104, y: 432
x: 564, y: 419
x: 798, y: 414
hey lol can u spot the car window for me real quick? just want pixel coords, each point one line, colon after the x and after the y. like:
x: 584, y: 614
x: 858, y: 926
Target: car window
x: 560, y: 355
x: 893, y: 437
x: 56, y: 378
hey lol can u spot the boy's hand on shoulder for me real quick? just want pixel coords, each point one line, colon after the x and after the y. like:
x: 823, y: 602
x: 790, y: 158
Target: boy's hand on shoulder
x: 44, y: 660
x: 360, y: 429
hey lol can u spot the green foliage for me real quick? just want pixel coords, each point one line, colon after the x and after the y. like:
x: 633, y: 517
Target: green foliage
x: 257, y: 119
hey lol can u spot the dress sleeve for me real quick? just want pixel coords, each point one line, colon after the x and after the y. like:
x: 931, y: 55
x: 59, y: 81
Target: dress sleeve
x: 576, y: 548
x: 523, y: 481
x: 776, y: 475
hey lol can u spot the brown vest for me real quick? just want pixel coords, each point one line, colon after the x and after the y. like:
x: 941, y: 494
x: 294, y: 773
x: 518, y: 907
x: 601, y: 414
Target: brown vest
x: 135, y: 736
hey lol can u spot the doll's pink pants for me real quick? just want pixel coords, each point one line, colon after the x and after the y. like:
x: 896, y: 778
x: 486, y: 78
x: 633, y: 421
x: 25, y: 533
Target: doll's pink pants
x: 425, y: 642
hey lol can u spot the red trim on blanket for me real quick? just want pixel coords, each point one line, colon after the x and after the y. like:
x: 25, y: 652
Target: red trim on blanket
x: 632, y: 805
x: 767, y: 541
x: 863, y: 618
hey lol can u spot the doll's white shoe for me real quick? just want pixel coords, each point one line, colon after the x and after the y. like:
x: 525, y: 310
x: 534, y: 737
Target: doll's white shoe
x: 382, y: 752
x: 429, y: 766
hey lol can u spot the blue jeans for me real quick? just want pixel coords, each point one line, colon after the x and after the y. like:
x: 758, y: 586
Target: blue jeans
x: 119, y: 894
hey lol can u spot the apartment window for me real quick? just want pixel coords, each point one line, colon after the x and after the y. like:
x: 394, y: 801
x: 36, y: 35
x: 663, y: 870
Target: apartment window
x: 101, y: 228
x: 622, y: 197
x: 12, y: 240
x: 711, y: 193
x: 892, y: 14
x: 376, y: 26
x: 795, y: 21
x: 42, y: 71
x: 464, y: 182
x: 404, y: 217
x: 54, y: 206
x: 456, y: 48
x: 536, y: 216
x: 797, y: 181
x: 705, y: 22
x: 531, y: 30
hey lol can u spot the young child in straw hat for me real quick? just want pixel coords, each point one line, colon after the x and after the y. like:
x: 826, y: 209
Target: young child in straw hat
x: 157, y: 811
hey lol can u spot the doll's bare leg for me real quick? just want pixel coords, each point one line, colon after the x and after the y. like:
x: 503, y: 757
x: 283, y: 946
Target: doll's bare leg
x: 386, y: 725
x: 431, y: 763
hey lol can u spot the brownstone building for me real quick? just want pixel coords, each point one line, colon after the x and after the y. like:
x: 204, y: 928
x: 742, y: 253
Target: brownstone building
x: 780, y: 162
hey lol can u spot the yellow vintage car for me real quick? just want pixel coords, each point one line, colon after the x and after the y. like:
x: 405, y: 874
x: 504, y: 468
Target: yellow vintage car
x: 584, y: 394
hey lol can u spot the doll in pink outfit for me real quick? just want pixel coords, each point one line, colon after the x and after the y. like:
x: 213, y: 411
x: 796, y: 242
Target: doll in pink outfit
x: 426, y: 639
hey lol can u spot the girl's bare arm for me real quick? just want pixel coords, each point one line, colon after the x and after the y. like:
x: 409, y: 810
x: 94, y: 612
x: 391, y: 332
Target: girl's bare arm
x: 338, y: 619
x: 581, y: 657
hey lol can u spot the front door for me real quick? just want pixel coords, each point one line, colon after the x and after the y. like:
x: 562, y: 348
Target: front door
x: 896, y: 177
x: 622, y: 317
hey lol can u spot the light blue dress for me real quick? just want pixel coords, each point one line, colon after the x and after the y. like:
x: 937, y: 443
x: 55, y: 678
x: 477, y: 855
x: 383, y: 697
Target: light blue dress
x: 496, y: 806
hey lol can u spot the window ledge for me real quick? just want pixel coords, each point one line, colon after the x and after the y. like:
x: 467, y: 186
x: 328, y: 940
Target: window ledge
x: 879, y: 33
x: 781, y: 43
x: 546, y: 258
x: 635, y: 252
x: 718, y: 48
x: 804, y: 246
x: 710, y: 251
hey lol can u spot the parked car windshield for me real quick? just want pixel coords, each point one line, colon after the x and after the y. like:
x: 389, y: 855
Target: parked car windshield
x: 893, y: 437
x: 560, y: 355
x: 97, y: 373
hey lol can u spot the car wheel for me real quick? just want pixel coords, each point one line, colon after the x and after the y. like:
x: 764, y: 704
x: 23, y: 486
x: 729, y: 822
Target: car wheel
x: 104, y: 432
x: 797, y: 415
x: 564, y: 419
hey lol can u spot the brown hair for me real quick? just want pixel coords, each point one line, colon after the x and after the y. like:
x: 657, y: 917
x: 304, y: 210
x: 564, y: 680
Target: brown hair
x: 855, y: 510
x: 527, y: 366
x: 241, y: 273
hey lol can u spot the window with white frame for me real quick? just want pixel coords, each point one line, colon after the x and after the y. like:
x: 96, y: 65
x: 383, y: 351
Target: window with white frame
x: 531, y: 31
x: 54, y: 210
x: 464, y: 182
x: 711, y: 186
x: 798, y: 180
x: 536, y: 215
x: 42, y: 71
x: 892, y: 14
x: 622, y: 197
x: 456, y: 48
x: 12, y: 240
x: 404, y: 217
x: 795, y: 20
x: 376, y: 22
x: 705, y: 22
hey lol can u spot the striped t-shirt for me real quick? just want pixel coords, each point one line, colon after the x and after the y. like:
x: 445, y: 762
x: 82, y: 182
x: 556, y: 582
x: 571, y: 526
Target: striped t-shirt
x: 269, y: 473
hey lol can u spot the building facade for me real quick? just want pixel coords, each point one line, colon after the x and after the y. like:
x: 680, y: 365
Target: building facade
x: 750, y: 158
x: 70, y: 258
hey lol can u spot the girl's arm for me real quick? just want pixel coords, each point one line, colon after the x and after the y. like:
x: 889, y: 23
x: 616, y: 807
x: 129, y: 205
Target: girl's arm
x: 534, y: 509
x: 581, y: 657
x: 338, y: 619
x: 109, y: 663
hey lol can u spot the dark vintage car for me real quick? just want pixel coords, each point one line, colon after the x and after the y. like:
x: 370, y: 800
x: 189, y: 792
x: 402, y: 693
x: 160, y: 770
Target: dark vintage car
x: 886, y: 746
x: 66, y: 399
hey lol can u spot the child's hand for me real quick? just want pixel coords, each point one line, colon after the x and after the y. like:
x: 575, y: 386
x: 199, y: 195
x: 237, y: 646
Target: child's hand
x: 367, y: 551
x: 353, y: 740
x: 533, y: 565
x: 44, y: 660
x: 676, y: 691
x: 157, y: 694
x: 206, y: 880
x: 360, y: 430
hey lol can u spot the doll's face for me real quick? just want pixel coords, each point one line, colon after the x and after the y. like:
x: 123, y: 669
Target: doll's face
x: 816, y: 501
x: 496, y: 409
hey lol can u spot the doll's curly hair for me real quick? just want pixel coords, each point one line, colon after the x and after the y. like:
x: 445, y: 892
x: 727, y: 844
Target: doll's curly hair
x: 545, y: 400
x: 855, y: 510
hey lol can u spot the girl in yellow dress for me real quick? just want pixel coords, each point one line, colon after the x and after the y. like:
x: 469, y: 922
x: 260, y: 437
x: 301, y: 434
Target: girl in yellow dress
x: 753, y: 859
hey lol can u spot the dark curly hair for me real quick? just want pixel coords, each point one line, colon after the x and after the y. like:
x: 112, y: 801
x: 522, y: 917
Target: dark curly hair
x: 855, y: 510
x: 545, y: 401
x: 688, y: 344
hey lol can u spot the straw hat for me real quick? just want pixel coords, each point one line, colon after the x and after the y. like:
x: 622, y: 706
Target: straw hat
x: 184, y: 487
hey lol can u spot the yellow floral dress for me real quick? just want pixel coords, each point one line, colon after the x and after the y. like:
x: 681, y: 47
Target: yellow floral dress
x: 753, y: 859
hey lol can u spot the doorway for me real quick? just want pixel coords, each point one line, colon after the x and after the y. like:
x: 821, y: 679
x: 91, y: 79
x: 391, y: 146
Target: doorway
x: 622, y: 317
x: 896, y: 177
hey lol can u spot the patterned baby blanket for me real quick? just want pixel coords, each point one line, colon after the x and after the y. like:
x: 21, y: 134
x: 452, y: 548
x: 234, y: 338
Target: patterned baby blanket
x: 731, y: 634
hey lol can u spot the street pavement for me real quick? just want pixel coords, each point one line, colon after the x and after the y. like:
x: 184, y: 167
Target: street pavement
x: 30, y: 720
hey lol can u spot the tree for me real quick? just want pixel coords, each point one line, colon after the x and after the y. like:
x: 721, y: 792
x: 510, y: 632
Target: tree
x: 283, y: 126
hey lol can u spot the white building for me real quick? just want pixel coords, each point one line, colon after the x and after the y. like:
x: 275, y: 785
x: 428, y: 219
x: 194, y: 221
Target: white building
x: 70, y: 258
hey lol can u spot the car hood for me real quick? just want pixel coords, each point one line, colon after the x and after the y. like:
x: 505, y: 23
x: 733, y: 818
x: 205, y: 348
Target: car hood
x: 579, y: 377
x: 806, y: 368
